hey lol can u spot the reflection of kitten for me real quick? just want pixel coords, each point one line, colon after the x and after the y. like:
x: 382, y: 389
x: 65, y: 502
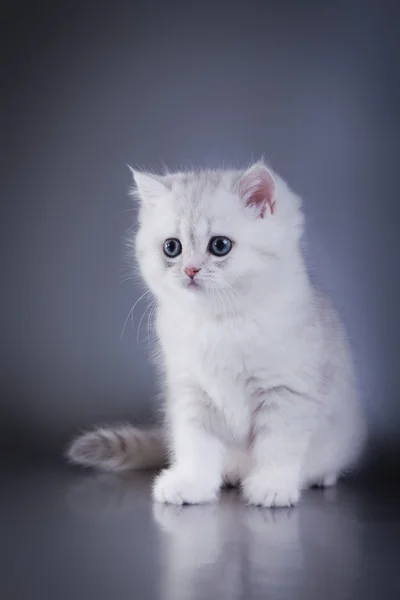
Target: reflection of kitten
x: 259, y: 377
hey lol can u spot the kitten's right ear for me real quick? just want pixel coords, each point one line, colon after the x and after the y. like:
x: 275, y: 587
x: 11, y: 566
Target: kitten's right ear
x: 148, y: 188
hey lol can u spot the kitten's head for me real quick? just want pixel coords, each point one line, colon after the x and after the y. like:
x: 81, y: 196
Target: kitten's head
x: 203, y: 233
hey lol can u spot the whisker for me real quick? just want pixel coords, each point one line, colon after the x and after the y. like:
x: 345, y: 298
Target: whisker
x: 140, y: 322
x: 234, y: 300
x: 231, y: 303
x: 224, y: 311
x: 233, y: 290
x: 131, y: 312
x: 151, y: 313
x: 216, y: 296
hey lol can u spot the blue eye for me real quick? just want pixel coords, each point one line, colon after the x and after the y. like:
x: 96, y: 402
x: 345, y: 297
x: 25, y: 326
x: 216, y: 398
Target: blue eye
x: 220, y: 246
x: 172, y: 248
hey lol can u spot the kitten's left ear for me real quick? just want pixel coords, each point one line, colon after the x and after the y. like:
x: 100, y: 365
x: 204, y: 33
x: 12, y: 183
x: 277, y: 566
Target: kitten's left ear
x: 149, y: 188
x: 257, y: 189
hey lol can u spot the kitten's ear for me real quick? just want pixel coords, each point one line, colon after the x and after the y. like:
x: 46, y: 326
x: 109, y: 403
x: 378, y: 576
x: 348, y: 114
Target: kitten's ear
x: 257, y: 188
x: 148, y: 188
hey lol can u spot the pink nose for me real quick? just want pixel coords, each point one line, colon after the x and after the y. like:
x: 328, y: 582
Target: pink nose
x: 191, y: 271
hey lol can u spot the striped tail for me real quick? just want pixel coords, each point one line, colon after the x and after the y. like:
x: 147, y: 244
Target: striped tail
x: 119, y: 449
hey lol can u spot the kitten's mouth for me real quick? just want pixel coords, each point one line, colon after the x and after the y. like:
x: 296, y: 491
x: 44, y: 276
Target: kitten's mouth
x: 193, y: 285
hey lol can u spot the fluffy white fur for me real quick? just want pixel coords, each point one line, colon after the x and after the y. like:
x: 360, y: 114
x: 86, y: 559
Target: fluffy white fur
x: 258, y: 373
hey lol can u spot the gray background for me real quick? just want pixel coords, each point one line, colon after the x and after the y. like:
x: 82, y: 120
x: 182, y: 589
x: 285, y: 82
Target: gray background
x: 88, y: 87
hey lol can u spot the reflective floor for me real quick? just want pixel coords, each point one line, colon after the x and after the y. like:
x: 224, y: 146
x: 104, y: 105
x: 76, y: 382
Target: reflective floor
x: 71, y: 535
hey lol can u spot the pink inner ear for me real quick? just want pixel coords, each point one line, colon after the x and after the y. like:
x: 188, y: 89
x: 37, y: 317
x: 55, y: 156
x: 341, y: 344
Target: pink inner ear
x: 257, y: 189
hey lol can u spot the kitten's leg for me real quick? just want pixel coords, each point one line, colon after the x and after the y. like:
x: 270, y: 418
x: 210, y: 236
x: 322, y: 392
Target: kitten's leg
x: 196, y: 471
x: 335, y: 447
x: 282, y: 428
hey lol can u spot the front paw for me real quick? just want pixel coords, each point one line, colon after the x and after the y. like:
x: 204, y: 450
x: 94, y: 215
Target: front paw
x: 172, y: 487
x: 261, y: 490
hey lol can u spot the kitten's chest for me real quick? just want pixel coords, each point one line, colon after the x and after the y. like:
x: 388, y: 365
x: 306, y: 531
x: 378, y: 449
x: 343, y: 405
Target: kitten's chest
x: 231, y: 362
x: 221, y: 356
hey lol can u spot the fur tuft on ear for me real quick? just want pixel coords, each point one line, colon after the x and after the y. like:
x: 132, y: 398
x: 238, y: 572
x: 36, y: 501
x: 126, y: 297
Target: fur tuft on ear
x: 148, y: 187
x: 257, y: 188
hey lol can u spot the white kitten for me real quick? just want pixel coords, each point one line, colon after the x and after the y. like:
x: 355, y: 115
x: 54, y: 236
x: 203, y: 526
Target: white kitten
x: 259, y: 377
